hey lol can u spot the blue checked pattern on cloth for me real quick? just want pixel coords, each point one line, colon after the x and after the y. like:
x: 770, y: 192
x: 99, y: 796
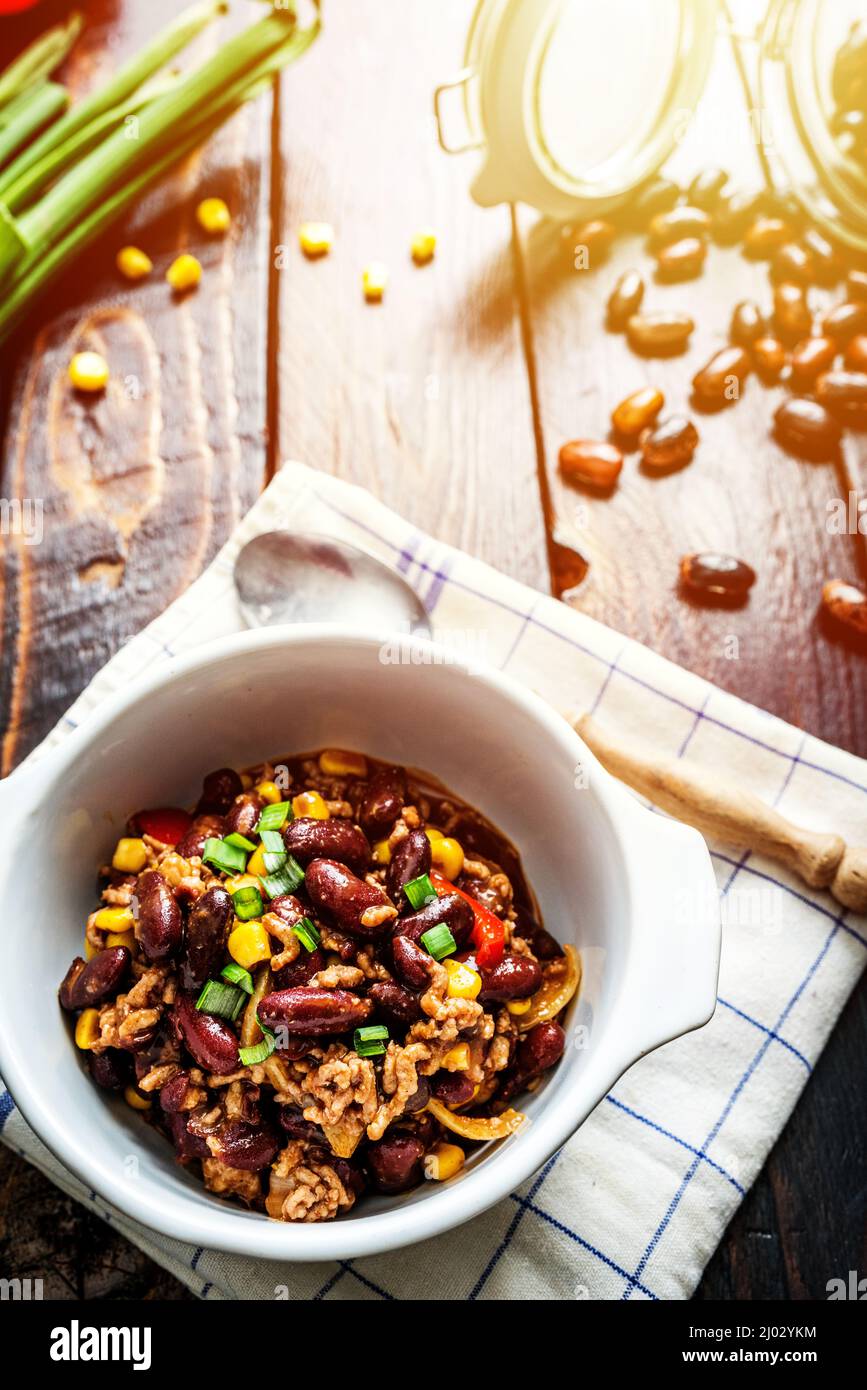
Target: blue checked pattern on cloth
x: 635, y: 1204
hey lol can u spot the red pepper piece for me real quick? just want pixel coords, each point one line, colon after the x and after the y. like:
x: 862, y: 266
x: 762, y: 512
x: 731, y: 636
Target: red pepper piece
x: 168, y: 824
x: 489, y: 933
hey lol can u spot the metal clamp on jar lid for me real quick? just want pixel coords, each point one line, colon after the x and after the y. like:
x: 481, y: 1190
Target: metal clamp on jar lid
x: 574, y: 104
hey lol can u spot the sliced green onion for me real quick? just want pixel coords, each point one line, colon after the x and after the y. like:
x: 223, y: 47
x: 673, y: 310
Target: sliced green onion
x: 248, y: 903
x: 259, y: 1051
x: 239, y: 842
x: 439, y: 941
x: 370, y: 1042
x: 420, y: 891
x: 223, y: 1000
x: 274, y: 862
x: 221, y: 855
x: 286, y: 880
x: 274, y: 816
x: 40, y: 57
x: 237, y: 975
x: 272, y: 841
x: 307, y: 934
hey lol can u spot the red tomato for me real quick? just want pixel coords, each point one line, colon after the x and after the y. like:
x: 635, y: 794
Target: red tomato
x: 14, y: 6
x: 168, y: 824
x: 489, y: 934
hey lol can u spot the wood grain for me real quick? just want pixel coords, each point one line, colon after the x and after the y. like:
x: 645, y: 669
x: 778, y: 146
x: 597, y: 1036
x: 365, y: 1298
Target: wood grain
x: 424, y: 399
x: 141, y: 486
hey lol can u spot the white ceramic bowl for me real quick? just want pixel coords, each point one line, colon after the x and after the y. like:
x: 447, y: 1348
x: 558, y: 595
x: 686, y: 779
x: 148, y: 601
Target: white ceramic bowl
x: 633, y: 891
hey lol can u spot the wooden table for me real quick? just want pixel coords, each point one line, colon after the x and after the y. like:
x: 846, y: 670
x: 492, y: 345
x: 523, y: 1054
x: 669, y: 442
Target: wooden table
x: 450, y: 402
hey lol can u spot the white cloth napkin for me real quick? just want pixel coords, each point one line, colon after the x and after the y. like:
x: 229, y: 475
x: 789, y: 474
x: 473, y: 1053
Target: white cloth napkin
x: 636, y: 1202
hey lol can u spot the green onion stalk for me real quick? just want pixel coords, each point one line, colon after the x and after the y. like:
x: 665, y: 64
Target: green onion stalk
x: 39, y: 59
x: 97, y: 188
x: 29, y: 112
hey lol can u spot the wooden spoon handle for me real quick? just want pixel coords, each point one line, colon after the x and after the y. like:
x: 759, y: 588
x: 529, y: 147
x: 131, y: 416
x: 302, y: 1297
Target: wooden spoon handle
x: 717, y: 807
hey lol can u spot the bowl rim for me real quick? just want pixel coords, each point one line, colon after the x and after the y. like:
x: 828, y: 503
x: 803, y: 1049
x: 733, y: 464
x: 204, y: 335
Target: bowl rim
x: 221, y: 1226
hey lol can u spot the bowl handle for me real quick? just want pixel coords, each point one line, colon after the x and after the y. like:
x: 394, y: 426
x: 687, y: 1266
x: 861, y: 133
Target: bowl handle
x: 671, y: 984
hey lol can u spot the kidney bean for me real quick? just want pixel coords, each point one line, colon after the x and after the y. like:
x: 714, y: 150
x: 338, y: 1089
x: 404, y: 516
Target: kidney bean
x: 110, y: 1069
x: 545, y: 946
x: 590, y: 463
x: 174, y: 1093
x: 516, y: 977
x: 769, y: 357
x: 792, y: 317
x: 88, y: 983
x: 243, y: 815
x: 765, y: 237
x: 747, y: 324
x: 855, y: 356
x: 845, y: 321
x: 161, y: 1047
x: 206, y: 936
x: 246, y: 1146
x: 203, y: 828
x: 419, y: 1098
x: 295, y: 1125
x: 451, y: 909
x: 845, y: 395
x: 807, y: 429
x: 209, y: 1039
x: 301, y: 971
x: 669, y: 227
x: 411, y: 962
x: 706, y: 189
x: 308, y: 839
x: 187, y: 1143
x: 308, y: 1011
x: 846, y: 605
x: 637, y: 411
x: 453, y: 1088
x: 660, y: 334
x: 826, y: 263
x: 359, y: 908
x: 288, y: 908
x: 660, y: 195
x: 721, y: 379
x: 794, y: 263
x: 383, y: 800
x: 393, y: 1003
x: 810, y: 357
x: 681, y: 260
x: 669, y: 444
x: 716, y: 576
x: 596, y: 236
x: 410, y: 860
x: 159, y: 925
x: 219, y: 790
x: 624, y: 300
x: 537, y: 1051
x: 395, y: 1162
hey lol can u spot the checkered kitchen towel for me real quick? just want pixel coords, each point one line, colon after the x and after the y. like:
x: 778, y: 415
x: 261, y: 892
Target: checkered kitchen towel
x: 636, y: 1202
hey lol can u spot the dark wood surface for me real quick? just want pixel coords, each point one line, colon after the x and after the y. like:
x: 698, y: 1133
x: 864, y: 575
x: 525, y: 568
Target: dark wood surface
x: 450, y: 402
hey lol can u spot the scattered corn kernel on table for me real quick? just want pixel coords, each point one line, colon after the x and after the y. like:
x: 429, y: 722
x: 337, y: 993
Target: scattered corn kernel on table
x: 449, y: 399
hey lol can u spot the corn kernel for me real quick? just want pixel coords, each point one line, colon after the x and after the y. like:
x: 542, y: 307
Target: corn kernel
x: 87, y: 1029
x: 270, y: 792
x: 457, y: 1058
x: 448, y: 855
x: 130, y: 856
x: 336, y: 762
x: 433, y: 835
x: 423, y: 245
x: 121, y: 938
x: 88, y: 371
x: 234, y: 885
x: 90, y: 950
x: 519, y: 1006
x: 464, y: 983
x: 310, y: 804
x: 184, y: 273
x: 374, y: 279
x: 256, y: 863
x: 133, y: 263
x: 213, y: 215
x: 316, y: 238
x: 443, y: 1161
x: 136, y: 1099
x: 249, y: 944
x: 246, y: 781
x: 113, y: 919
x: 382, y: 852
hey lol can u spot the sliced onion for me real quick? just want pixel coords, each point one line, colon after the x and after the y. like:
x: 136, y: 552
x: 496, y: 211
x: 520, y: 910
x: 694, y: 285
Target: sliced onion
x: 343, y: 1138
x: 562, y: 979
x: 479, y: 1127
x: 251, y: 1033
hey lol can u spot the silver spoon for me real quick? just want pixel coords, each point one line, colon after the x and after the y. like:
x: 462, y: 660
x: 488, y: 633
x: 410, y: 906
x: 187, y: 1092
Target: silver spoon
x: 285, y: 578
